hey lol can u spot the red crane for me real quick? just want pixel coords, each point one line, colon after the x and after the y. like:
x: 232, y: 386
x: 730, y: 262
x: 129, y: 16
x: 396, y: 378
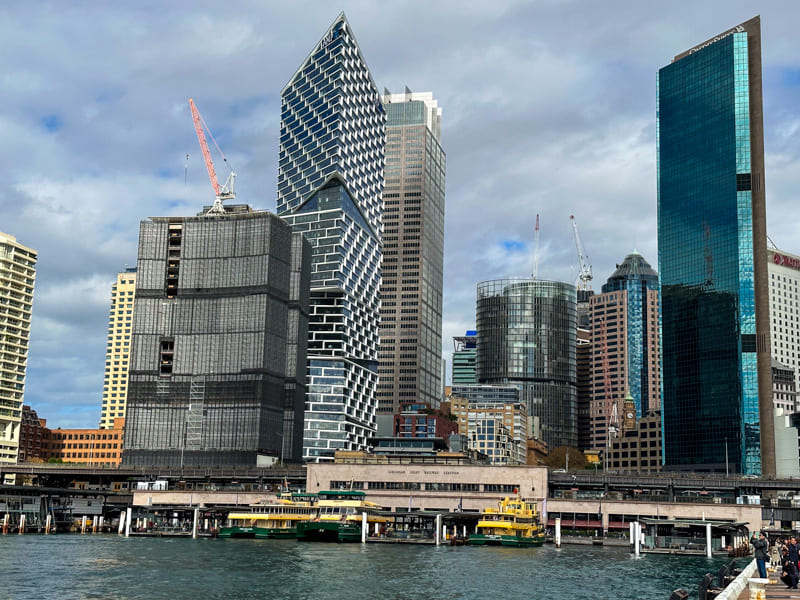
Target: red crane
x: 224, y: 192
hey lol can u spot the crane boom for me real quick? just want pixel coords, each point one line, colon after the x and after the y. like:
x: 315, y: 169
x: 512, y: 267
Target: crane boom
x: 222, y: 192
x: 585, y: 274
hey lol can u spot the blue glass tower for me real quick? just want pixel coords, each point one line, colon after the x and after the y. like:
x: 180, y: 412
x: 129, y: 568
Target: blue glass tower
x: 330, y: 180
x: 712, y: 257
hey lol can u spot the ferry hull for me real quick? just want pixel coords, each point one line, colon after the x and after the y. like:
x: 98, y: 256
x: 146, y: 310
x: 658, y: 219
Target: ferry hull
x: 328, y: 531
x: 505, y: 540
x: 259, y: 533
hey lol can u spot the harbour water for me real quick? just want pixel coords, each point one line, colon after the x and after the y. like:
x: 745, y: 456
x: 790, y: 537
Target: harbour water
x: 67, y: 566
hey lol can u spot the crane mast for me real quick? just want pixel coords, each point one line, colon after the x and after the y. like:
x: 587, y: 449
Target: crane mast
x: 536, y: 249
x: 585, y: 274
x: 224, y: 192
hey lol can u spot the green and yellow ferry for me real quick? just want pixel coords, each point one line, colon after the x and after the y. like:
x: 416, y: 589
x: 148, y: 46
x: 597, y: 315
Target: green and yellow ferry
x: 340, y: 517
x: 515, y: 522
x: 272, y: 519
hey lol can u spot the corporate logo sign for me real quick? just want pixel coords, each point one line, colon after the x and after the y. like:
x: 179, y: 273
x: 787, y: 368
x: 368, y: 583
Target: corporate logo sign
x: 737, y: 29
x: 785, y: 261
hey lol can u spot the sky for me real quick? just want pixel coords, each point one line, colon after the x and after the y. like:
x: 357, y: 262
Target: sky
x: 548, y: 108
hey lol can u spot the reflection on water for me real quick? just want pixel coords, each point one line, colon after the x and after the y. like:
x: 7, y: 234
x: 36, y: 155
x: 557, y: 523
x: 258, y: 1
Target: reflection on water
x: 107, y: 566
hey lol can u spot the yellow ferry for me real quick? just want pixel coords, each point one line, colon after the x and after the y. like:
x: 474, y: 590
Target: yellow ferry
x: 273, y: 519
x: 515, y: 522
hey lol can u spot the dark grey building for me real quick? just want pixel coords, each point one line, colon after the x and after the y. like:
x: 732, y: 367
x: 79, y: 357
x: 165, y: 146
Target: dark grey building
x: 527, y: 338
x: 219, y: 341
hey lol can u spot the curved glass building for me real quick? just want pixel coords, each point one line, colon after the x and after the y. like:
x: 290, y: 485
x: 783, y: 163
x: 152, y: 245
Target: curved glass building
x: 526, y: 337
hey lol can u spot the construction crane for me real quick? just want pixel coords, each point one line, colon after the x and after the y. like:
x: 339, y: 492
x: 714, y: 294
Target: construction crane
x: 585, y: 274
x: 224, y: 192
x: 536, y: 249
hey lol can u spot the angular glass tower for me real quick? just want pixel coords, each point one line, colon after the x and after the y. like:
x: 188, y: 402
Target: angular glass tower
x: 413, y: 255
x: 330, y: 180
x: 712, y: 257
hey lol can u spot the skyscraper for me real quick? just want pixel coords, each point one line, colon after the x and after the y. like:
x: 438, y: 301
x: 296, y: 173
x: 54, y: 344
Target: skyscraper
x: 712, y: 256
x: 330, y: 179
x: 625, y: 347
x: 784, y: 308
x: 17, y: 275
x: 118, y: 348
x: 465, y: 368
x: 526, y: 338
x: 413, y: 254
x: 214, y: 328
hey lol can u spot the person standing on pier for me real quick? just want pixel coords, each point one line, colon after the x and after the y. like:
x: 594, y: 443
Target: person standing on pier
x: 760, y: 547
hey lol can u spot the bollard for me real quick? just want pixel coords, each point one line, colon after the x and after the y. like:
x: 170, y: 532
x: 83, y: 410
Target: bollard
x: 558, y: 532
x: 364, y: 527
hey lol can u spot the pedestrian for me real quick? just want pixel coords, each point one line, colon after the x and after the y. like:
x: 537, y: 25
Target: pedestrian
x: 789, y: 572
x: 760, y: 547
x: 794, y: 551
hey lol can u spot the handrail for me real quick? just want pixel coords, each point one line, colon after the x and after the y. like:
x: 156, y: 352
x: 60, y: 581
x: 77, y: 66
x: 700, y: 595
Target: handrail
x: 735, y: 588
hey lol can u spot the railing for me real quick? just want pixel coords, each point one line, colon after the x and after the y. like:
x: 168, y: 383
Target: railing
x: 735, y: 588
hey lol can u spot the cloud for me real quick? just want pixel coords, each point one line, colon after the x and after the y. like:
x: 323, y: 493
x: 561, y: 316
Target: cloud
x: 548, y: 108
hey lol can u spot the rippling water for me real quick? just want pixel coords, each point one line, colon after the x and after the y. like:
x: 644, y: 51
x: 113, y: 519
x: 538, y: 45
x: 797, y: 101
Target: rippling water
x: 106, y: 566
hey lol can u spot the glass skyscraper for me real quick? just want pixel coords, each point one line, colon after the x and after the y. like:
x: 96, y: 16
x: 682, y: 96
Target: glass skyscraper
x: 527, y: 338
x: 330, y: 180
x: 712, y: 257
x: 413, y: 255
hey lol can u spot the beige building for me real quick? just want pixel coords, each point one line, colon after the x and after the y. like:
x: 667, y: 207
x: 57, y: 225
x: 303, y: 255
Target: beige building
x: 430, y: 485
x: 115, y: 378
x: 17, y: 275
x: 498, y: 429
x: 784, y: 309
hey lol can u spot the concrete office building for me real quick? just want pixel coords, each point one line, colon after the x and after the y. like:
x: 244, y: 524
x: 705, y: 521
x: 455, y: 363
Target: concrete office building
x: 17, y: 275
x: 625, y: 347
x: 784, y: 308
x: 118, y: 348
x: 413, y: 254
x: 712, y: 258
x: 220, y: 316
x: 330, y: 180
x: 527, y: 338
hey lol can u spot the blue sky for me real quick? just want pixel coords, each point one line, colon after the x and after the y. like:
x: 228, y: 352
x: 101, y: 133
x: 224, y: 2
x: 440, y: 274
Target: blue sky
x: 548, y: 108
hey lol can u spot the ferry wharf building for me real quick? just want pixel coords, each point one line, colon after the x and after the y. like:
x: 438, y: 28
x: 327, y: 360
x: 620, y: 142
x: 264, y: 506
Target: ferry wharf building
x: 712, y: 257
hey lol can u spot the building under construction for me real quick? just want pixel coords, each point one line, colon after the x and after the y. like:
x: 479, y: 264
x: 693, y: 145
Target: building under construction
x: 219, y: 331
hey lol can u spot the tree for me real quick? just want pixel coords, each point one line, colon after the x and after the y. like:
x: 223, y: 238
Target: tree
x: 557, y: 459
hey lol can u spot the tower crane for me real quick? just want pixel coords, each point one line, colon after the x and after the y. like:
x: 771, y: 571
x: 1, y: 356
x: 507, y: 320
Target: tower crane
x: 536, y: 249
x: 585, y: 274
x: 223, y: 192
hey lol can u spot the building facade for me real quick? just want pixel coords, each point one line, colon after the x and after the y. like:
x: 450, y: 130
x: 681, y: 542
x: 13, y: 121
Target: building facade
x: 784, y: 308
x: 17, y: 276
x: 712, y: 256
x: 330, y: 180
x: 32, y: 436
x: 97, y: 447
x: 784, y: 388
x: 218, y: 299
x: 413, y: 254
x: 465, y: 366
x: 527, y: 338
x: 497, y: 429
x: 637, y: 450
x: 118, y: 348
x: 625, y: 347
